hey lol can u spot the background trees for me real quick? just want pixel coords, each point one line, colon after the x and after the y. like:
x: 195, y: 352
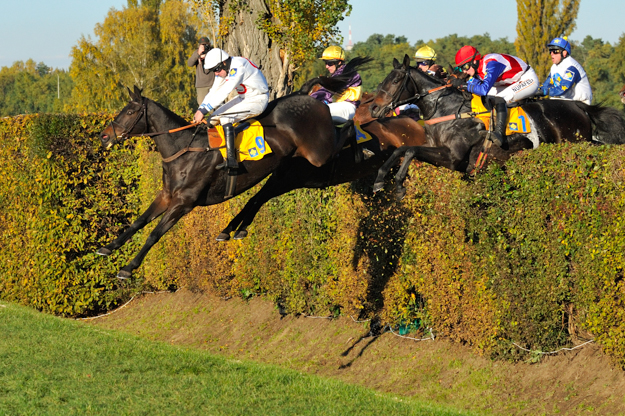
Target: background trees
x: 146, y: 45
x: 538, y: 22
x: 29, y: 87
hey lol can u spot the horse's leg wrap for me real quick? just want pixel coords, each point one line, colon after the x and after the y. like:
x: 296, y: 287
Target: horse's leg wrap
x: 231, y: 154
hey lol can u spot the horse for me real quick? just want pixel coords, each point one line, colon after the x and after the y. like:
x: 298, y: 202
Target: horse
x: 387, y: 134
x: 622, y: 94
x: 461, y: 141
x: 296, y: 127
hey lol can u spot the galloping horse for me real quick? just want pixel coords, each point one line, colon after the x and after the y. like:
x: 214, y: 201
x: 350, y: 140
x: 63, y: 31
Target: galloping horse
x: 296, y: 127
x: 387, y: 135
x: 461, y: 140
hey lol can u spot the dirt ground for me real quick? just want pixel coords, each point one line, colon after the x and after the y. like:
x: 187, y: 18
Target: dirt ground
x: 578, y: 382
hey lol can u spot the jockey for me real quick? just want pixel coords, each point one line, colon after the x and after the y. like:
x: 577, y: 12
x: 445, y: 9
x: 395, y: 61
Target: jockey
x: 504, y: 78
x: 343, y: 107
x: 232, y: 73
x: 426, y: 61
x: 567, y: 79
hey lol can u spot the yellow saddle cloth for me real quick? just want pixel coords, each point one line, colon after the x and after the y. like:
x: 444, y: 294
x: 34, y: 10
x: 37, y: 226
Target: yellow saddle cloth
x: 517, y: 118
x: 361, y: 135
x: 250, y: 142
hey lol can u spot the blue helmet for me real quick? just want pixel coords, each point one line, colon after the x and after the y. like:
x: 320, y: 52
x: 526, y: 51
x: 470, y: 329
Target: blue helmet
x: 561, y: 43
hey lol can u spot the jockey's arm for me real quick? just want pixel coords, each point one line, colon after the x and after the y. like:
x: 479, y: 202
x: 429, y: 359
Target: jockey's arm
x: 568, y: 81
x: 220, y: 91
x: 492, y: 72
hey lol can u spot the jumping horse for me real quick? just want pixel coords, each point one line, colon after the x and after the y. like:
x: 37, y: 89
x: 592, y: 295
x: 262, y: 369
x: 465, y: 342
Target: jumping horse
x: 387, y: 134
x: 295, y: 126
x: 460, y: 140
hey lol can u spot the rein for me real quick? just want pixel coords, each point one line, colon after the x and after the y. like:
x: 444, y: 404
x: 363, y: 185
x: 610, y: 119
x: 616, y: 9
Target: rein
x: 175, y: 156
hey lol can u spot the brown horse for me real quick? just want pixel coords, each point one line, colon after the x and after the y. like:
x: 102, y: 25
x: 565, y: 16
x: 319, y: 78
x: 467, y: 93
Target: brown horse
x: 295, y: 126
x: 387, y: 134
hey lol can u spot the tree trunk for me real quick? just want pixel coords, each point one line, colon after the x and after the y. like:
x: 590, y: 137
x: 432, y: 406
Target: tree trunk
x: 247, y: 40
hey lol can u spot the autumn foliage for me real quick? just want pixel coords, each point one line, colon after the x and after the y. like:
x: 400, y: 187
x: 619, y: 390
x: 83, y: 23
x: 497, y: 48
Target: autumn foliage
x: 530, y: 254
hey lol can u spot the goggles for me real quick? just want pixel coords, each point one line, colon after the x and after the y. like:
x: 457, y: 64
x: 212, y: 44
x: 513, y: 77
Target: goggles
x: 219, y: 67
x: 423, y: 63
x: 555, y: 50
x: 332, y: 62
x: 464, y: 67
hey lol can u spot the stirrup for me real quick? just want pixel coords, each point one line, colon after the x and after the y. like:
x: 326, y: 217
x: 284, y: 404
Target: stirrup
x: 495, y: 138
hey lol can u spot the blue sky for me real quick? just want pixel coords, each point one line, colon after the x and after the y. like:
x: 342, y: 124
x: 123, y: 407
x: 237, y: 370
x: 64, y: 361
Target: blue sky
x: 46, y: 30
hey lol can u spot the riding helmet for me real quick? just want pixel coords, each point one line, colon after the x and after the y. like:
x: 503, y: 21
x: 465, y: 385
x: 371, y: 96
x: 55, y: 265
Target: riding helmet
x: 215, y: 57
x: 561, y: 43
x: 333, y: 53
x: 425, y: 53
x: 467, y: 54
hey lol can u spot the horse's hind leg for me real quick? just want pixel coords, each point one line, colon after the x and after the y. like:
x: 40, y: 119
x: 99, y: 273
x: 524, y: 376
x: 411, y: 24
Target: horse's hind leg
x: 386, y: 167
x: 400, y: 190
x: 437, y: 156
x: 158, y: 206
x: 234, y: 223
x: 171, y: 217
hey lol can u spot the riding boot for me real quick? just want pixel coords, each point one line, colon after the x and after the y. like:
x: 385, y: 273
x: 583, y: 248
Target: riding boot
x: 498, y: 133
x: 231, y: 154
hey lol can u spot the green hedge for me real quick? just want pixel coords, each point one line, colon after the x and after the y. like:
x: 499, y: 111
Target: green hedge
x: 531, y: 253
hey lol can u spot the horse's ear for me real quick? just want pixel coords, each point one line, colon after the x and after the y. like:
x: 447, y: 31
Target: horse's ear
x: 138, y: 91
x: 396, y: 63
x: 406, y: 61
x: 129, y: 92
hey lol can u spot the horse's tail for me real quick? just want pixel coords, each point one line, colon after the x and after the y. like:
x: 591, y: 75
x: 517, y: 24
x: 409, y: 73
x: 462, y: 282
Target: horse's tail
x: 339, y: 83
x: 608, y: 123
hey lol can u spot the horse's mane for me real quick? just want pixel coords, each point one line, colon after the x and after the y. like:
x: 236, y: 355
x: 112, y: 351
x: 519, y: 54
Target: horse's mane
x: 169, y: 113
x: 339, y: 83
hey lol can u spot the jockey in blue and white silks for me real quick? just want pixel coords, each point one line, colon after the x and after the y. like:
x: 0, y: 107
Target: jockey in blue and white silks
x: 567, y: 79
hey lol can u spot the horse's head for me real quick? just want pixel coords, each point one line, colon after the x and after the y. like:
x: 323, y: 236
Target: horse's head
x: 622, y: 94
x: 397, y: 86
x: 131, y: 120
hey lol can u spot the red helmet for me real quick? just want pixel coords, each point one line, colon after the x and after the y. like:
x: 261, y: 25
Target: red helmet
x: 467, y: 54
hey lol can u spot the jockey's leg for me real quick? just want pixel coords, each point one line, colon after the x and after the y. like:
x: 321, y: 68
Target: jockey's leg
x: 231, y: 154
x: 498, y: 134
x: 342, y: 112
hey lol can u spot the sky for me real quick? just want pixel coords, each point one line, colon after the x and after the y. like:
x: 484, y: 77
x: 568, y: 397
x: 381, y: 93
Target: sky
x: 46, y: 30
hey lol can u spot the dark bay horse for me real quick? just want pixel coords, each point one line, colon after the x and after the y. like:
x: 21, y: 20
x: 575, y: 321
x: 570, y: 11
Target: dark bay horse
x: 460, y: 141
x: 296, y: 127
x: 387, y: 134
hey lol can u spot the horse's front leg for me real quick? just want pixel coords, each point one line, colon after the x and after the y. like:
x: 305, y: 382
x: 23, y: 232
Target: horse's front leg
x: 437, y: 156
x: 234, y: 223
x: 176, y: 211
x: 386, y: 167
x: 158, y: 206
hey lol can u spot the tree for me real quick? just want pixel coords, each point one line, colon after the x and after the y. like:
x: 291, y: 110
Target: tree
x: 539, y: 21
x: 28, y: 87
x: 277, y: 35
x: 145, y: 45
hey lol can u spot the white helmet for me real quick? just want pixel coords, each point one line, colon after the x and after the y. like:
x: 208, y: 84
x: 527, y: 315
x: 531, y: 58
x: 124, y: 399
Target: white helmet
x: 214, y: 57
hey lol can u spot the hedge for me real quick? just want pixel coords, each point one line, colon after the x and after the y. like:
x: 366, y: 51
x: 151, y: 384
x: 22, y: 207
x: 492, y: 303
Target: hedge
x: 530, y: 253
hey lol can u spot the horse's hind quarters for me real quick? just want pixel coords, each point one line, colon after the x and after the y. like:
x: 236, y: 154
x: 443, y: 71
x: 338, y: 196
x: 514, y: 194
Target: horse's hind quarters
x: 104, y: 252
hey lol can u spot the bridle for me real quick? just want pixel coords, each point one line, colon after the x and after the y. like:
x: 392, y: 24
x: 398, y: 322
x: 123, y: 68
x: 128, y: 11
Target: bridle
x: 126, y: 130
x: 394, y: 103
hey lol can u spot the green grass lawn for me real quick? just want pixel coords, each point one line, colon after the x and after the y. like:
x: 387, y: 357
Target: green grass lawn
x: 51, y: 366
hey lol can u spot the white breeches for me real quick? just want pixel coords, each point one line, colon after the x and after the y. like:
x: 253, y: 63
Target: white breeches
x: 342, y: 111
x: 525, y: 87
x: 240, y: 108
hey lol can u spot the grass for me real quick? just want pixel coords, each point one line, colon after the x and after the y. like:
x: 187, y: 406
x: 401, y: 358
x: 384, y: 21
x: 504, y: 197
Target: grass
x: 51, y: 366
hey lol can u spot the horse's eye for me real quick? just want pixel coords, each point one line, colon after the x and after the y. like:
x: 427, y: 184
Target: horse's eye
x: 130, y: 112
x: 395, y: 81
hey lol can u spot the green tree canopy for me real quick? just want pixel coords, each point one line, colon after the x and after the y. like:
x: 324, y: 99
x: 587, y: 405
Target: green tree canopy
x: 539, y: 21
x: 146, y: 45
x: 29, y: 87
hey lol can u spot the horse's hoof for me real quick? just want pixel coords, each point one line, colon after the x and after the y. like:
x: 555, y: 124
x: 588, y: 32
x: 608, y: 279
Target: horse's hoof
x: 240, y: 235
x: 400, y: 193
x: 124, y: 275
x: 104, y: 252
x: 223, y: 237
x: 378, y: 186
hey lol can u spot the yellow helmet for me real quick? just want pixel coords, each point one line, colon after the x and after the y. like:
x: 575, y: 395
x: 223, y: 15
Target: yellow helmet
x: 333, y: 52
x: 426, y: 53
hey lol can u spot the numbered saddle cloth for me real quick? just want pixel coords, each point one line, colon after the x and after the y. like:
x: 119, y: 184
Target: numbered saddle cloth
x: 250, y: 143
x: 517, y: 118
x: 361, y: 135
